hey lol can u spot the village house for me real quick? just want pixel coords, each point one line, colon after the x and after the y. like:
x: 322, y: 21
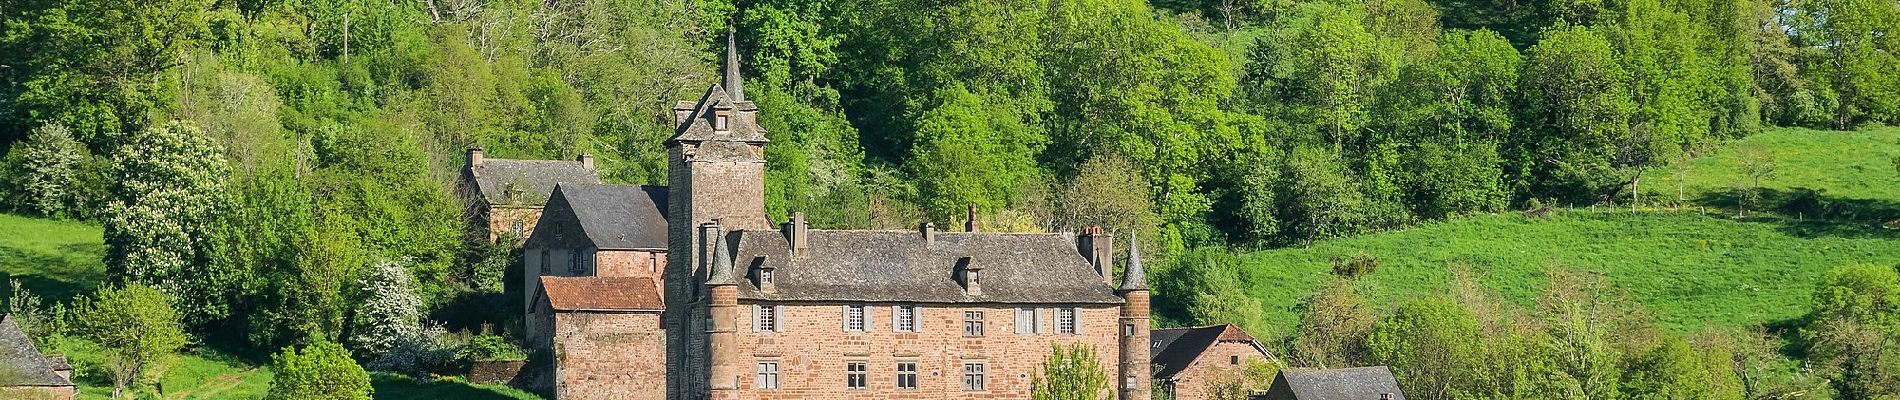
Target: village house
x: 1188, y: 361
x: 25, y: 373
x: 597, y: 230
x: 1365, y: 383
x: 745, y: 309
x: 505, y: 197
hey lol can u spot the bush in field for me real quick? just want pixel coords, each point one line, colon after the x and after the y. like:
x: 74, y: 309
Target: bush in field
x: 320, y: 371
x: 136, y: 326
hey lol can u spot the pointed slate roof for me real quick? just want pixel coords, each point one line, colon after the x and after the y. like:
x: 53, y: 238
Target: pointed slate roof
x: 526, y: 182
x: 1134, y: 277
x: 21, y: 363
x: 611, y: 217
x: 698, y: 125
x: 1335, y: 384
x: 1176, y: 348
x: 898, y: 266
x: 721, y: 273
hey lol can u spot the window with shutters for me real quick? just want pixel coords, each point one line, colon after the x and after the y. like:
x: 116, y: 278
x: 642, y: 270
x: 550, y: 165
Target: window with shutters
x: 907, y: 375
x: 973, y: 376
x: 766, y: 317
x: 972, y: 323
x: 1025, y: 321
x: 855, y: 375
x: 767, y: 377
x: 1065, y: 320
x: 904, y: 318
x: 854, y: 318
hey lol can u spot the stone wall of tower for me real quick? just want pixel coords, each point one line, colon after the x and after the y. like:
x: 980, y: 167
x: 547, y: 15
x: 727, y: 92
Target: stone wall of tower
x: 1132, y: 381
x: 702, y: 191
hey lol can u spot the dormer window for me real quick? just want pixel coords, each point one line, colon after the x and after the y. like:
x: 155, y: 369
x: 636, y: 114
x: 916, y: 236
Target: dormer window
x: 765, y: 275
x: 721, y: 120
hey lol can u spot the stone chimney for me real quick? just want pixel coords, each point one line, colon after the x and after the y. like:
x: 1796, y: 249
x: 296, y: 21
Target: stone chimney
x: 587, y: 161
x: 1097, y: 248
x: 797, y: 234
x: 969, y: 274
x: 475, y: 157
x: 969, y: 220
x: 930, y: 234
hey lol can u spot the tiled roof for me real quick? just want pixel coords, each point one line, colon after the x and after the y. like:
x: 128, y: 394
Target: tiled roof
x: 614, y: 217
x: 897, y: 266
x: 592, y: 293
x: 21, y: 363
x: 1177, y: 348
x: 1335, y: 384
x: 526, y: 182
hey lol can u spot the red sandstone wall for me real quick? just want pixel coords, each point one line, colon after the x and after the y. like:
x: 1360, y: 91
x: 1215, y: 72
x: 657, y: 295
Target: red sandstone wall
x: 1194, y: 382
x: 813, y: 349
x: 609, y: 356
x: 630, y: 263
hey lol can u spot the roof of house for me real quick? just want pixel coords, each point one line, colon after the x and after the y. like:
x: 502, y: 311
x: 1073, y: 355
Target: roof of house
x: 614, y: 217
x: 21, y: 363
x: 1177, y: 348
x: 526, y: 182
x: 698, y: 124
x: 1335, y: 384
x: 593, y: 293
x: 898, y: 266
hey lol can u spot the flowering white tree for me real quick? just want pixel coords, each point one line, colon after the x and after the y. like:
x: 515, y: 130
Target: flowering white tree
x: 170, y: 187
x: 391, y: 312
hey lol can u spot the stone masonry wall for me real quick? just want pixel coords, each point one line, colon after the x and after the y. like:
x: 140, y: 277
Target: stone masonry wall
x: 609, y: 356
x: 813, y: 349
x: 501, y: 219
x: 630, y: 263
x: 1217, y: 362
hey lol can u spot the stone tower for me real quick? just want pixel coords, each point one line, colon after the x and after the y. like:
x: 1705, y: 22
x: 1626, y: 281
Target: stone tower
x: 716, y: 170
x: 1135, y: 358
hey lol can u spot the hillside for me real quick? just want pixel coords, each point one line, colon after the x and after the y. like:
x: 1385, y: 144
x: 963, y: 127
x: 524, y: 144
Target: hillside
x: 1690, y: 267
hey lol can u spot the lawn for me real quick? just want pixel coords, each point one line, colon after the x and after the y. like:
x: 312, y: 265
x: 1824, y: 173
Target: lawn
x: 203, y: 374
x: 1851, y: 170
x: 1688, y: 269
x: 54, y: 259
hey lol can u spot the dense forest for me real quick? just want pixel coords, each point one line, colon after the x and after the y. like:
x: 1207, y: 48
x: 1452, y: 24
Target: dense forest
x: 258, y: 160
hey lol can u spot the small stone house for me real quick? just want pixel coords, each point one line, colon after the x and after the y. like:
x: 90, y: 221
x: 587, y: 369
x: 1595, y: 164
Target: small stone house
x: 1365, y: 383
x: 604, y: 337
x: 597, y: 230
x: 1189, y: 360
x: 505, y: 197
x: 25, y: 373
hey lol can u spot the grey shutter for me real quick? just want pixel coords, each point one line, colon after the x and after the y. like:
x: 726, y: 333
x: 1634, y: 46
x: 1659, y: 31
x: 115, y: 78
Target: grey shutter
x: 867, y: 317
x: 1076, y: 313
x: 844, y: 315
x: 778, y: 318
x: 1022, y: 321
x: 895, y: 319
x: 755, y: 317
x: 1042, y: 320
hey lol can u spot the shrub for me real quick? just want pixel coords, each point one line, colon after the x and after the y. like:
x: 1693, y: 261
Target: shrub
x: 322, y: 370
x: 136, y: 325
x: 418, y: 354
x: 492, y: 348
x: 391, y: 312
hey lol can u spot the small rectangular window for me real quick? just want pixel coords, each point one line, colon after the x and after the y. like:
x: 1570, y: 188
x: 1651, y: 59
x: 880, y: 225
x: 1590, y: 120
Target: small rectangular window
x: 904, y: 319
x: 855, y: 375
x: 765, y: 276
x: 973, y: 376
x: 972, y: 323
x: 719, y: 122
x: 854, y: 318
x: 1128, y: 329
x: 767, y: 318
x: 1065, y: 320
x: 767, y: 376
x: 1233, y: 360
x: 907, y: 375
x: 1129, y: 382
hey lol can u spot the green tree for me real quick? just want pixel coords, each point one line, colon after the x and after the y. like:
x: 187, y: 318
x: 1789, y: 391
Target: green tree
x: 1851, y: 332
x: 136, y: 326
x: 1334, y: 324
x: 390, y: 311
x: 971, y: 151
x: 1576, y: 107
x: 44, y: 175
x: 1433, y: 346
x: 1070, y: 373
x: 169, y: 190
x: 322, y: 370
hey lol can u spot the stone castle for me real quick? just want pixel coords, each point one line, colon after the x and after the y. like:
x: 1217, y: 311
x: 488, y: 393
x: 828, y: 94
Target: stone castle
x: 690, y: 292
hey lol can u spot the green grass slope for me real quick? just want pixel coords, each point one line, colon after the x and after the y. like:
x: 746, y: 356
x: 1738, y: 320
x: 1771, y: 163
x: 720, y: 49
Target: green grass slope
x: 54, y: 259
x: 1688, y: 269
x: 1852, y: 170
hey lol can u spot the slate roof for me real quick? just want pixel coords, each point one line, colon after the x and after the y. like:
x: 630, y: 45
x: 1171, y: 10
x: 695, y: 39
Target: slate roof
x: 1174, y: 349
x: 1365, y: 383
x: 593, y: 293
x: 897, y: 266
x: 526, y: 182
x: 611, y: 217
x: 698, y: 126
x: 21, y: 363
